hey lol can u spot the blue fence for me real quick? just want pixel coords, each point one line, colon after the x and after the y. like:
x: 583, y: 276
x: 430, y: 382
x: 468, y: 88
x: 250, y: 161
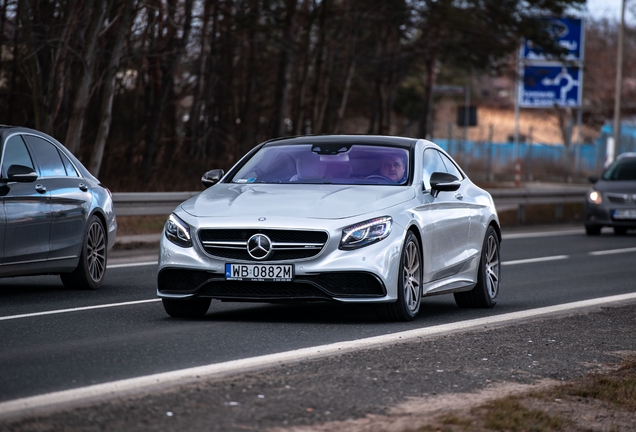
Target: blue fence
x: 587, y: 157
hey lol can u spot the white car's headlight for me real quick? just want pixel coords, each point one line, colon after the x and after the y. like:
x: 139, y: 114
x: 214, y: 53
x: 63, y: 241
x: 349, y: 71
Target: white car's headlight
x: 366, y: 233
x: 178, y: 232
x: 595, y: 197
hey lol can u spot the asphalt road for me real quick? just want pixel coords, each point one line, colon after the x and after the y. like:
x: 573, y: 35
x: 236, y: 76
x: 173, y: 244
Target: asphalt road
x: 53, y: 339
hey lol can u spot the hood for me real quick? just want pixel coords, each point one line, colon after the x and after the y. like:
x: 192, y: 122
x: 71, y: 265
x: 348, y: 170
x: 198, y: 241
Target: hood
x: 616, y: 186
x: 302, y: 201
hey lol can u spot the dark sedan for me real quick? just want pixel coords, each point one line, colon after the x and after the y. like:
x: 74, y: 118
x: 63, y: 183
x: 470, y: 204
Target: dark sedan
x: 56, y: 218
x: 612, y: 200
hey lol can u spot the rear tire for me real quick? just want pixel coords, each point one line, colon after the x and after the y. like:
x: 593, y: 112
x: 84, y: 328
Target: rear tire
x: 592, y: 230
x: 91, y: 268
x: 186, y: 308
x: 409, y: 284
x: 486, y: 291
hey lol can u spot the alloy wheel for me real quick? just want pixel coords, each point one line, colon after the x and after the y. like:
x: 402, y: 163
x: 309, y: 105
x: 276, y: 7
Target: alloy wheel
x: 96, y: 251
x: 411, y: 276
x: 492, y: 267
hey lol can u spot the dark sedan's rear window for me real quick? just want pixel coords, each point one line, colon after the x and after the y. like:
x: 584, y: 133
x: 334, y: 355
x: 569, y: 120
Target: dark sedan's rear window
x: 622, y: 169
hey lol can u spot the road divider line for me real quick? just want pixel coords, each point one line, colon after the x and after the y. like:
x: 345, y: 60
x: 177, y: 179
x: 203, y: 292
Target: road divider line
x: 613, y: 251
x: 513, y: 236
x: 146, y: 263
x: 83, y: 308
x: 535, y: 260
x: 136, y: 386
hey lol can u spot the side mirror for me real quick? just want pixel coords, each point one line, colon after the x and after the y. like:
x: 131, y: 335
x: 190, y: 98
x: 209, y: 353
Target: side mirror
x: 21, y: 174
x: 592, y: 179
x: 443, y: 182
x: 212, y: 177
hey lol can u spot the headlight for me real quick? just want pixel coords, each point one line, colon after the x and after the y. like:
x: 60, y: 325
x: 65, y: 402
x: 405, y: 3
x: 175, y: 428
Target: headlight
x: 595, y: 197
x: 178, y: 232
x: 366, y: 233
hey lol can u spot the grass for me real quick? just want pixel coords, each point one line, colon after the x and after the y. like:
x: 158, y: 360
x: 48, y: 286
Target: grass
x: 615, y: 389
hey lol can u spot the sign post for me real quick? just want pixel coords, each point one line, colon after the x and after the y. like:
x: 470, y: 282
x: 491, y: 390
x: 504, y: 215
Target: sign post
x: 547, y: 82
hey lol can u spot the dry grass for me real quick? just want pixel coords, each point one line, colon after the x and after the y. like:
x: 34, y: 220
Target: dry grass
x: 598, y: 401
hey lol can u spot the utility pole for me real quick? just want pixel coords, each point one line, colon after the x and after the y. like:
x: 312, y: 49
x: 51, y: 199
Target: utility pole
x: 619, y: 81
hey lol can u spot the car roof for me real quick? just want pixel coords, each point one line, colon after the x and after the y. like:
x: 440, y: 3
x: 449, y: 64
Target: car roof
x: 628, y: 155
x: 379, y: 140
x: 8, y: 129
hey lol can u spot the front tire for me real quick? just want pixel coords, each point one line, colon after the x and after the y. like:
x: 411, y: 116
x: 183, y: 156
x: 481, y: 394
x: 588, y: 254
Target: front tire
x: 91, y: 268
x: 409, y: 283
x: 592, y: 230
x: 486, y: 291
x: 186, y: 308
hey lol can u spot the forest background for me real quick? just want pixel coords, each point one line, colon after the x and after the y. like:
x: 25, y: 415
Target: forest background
x: 149, y: 94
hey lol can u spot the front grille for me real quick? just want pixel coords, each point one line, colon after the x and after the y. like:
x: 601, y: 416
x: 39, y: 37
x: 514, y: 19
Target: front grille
x: 287, y: 245
x: 349, y: 284
x: 248, y: 290
x: 182, y: 281
x: 628, y: 199
x: 321, y: 286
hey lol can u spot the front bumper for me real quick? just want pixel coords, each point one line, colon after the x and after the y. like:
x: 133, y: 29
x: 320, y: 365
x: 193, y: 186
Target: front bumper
x: 601, y: 215
x: 367, y: 275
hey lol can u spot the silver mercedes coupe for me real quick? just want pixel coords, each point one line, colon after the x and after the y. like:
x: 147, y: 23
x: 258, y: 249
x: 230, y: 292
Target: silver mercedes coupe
x: 353, y: 219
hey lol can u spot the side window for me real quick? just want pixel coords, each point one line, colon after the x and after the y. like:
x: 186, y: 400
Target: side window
x: 15, y: 153
x: 432, y: 163
x: 47, y: 156
x: 451, y: 168
x: 70, y: 169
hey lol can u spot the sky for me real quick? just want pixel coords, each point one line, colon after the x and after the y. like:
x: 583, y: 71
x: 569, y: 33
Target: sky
x: 611, y: 9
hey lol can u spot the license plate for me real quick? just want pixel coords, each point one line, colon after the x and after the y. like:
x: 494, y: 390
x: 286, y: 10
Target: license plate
x: 259, y: 272
x: 624, y: 214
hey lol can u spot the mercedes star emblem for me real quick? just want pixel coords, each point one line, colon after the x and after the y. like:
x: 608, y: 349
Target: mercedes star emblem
x: 259, y: 246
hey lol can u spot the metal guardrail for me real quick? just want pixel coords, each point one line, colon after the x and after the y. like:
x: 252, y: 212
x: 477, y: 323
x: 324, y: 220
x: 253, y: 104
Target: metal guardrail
x: 162, y: 203
x: 148, y: 203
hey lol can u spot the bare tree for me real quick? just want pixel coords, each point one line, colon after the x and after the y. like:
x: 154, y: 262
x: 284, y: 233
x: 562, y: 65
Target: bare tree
x: 124, y: 17
x: 82, y: 95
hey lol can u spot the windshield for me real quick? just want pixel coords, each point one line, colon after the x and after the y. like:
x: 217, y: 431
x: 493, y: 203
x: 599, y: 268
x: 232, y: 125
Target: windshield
x: 330, y: 163
x: 622, y: 169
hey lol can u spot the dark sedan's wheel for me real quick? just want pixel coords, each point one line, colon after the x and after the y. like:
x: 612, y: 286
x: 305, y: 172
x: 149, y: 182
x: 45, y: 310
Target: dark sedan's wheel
x: 186, y: 308
x: 592, y: 230
x: 485, y: 293
x: 409, y: 283
x: 91, y: 268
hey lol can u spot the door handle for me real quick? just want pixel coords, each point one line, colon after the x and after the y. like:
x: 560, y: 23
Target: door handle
x: 83, y: 187
x: 40, y: 189
x: 459, y: 196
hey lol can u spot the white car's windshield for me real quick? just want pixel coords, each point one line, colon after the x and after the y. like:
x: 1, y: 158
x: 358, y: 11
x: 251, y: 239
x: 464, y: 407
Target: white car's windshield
x: 326, y: 164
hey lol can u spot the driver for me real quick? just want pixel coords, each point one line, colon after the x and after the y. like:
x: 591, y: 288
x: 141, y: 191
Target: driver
x: 393, y: 166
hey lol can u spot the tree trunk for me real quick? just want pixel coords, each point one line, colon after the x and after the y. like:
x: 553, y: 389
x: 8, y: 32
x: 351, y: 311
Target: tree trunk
x: 425, y: 117
x: 108, y: 93
x: 167, y: 82
x: 283, y: 84
x: 82, y: 97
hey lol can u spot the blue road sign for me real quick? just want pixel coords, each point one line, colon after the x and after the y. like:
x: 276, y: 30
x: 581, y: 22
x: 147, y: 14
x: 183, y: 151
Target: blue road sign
x: 546, y: 86
x: 569, y: 34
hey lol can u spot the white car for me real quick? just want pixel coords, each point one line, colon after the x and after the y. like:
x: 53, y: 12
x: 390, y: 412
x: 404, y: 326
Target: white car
x: 352, y: 219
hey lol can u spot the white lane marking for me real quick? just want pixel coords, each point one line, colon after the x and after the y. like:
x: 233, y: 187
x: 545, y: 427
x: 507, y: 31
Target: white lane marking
x: 534, y: 260
x: 613, y: 251
x: 144, y: 384
x: 59, y: 311
x: 146, y: 263
x: 541, y: 234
